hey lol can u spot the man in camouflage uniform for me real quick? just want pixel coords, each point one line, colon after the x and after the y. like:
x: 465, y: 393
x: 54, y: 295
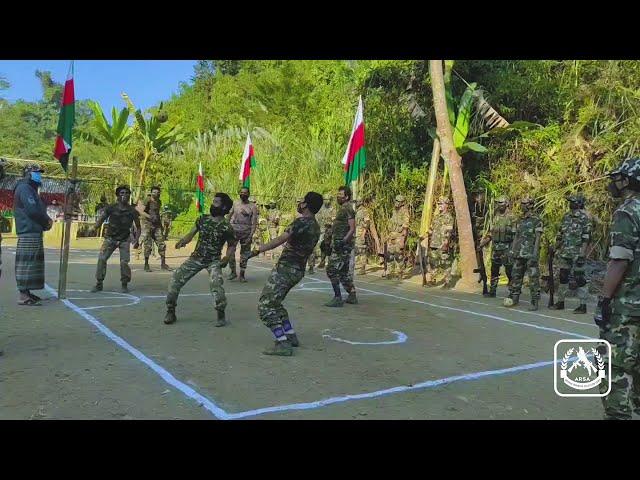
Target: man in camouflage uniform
x: 342, y: 241
x: 166, y: 219
x: 397, y: 238
x: 122, y: 216
x: 526, y: 256
x: 441, y: 237
x: 262, y: 232
x: 3, y: 221
x: 325, y: 219
x: 571, y: 246
x: 273, y: 224
x: 213, y: 231
x: 152, y: 230
x: 301, y: 237
x: 618, y: 314
x: 364, y: 221
x: 244, y: 220
x: 501, y: 233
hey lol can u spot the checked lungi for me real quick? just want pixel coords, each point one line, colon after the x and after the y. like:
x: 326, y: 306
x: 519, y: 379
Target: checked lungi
x: 30, y: 262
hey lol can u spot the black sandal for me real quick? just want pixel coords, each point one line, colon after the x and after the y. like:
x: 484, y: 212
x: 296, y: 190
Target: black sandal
x: 30, y: 302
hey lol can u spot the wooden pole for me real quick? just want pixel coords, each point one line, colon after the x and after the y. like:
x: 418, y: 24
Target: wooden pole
x: 66, y: 235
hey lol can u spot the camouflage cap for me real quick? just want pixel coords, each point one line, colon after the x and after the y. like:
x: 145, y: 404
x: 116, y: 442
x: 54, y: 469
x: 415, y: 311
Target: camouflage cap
x: 400, y: 198
x: 629, y: 168
x: 576, y: 198
x: 526, y: 200
x: 444, y: 201
x: 272, y: 204
x: 502, y: 199
x: 32, y: 167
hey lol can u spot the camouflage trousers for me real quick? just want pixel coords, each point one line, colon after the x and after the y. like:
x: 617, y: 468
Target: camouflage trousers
x: 520, y: 268
x: 580, y: 280
x: 273, y: 233
x: 338, y: 269
x: 322, y: 250
x: 500, y: 258
x: 361, y: 257
x: 245, y: 250
x: 395, y: 257
x: 439, y: 260
x: 152, y: 234
x: 283, y: 278
x: 187, y: 271
x: 109, y: 245
x: 623, y: 333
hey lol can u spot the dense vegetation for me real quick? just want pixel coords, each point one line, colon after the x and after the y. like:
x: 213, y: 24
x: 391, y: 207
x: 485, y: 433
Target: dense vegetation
x: 583, y: 118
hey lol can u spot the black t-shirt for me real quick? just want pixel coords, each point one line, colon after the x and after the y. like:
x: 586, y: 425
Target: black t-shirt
x: 120, y: 221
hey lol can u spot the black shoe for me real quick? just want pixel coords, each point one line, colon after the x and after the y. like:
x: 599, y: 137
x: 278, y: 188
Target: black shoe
x: 97, y: 288
x: 557, y: 306
x: 164, y: 266
x: 232, y: 276
x: 581, y: 309
x: 170, y: 317
x: 222, y: 321
x: 282, y: 349
x: 147, y: 268
x: 534, y: 305
x: 124, y: 288
x: 352, y: 299
x: 490, y: 294
x: 293, y: 339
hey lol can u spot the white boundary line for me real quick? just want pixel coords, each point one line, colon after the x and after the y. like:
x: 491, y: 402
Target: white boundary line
x: 222, y: 414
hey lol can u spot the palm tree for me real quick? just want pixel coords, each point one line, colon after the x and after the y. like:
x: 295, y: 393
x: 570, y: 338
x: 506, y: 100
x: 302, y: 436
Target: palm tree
x: 155, y: 137
x: 114, y: 136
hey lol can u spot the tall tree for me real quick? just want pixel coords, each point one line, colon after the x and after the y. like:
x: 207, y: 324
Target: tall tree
x: 468, y: 260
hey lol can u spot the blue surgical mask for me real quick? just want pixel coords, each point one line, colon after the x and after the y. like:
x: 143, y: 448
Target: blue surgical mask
x: 36, y: 177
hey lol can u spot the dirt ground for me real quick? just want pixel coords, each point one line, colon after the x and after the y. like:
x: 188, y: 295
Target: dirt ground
x: 403, y: 353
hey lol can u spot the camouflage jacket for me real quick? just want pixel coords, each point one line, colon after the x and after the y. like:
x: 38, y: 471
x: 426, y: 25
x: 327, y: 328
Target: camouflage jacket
x: 524, y: 242
x: 575, y: 230
x: 273, y: 218
x: 305, y: 233
x: 212, y: 235
x: 325, y: 216
x: 625, y: 245
x: 363, y: 221
x: 503, y: 230
x: 442, y: 228
x: 341, y: 222
x: 152, y: 208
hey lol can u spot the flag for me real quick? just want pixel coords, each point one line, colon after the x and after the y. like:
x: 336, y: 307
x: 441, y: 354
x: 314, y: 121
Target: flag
x: 354, y: 159
x: 248, y: 161
x: 64, y: 137
x: 200, y: 191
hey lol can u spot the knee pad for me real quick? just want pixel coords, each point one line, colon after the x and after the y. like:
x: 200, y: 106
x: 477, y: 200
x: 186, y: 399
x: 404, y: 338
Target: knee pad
x: 564, y: 276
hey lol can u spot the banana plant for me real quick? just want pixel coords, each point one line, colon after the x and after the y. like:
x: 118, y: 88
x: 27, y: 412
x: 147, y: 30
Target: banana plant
x: 156, y: 137
x: 113, y: 136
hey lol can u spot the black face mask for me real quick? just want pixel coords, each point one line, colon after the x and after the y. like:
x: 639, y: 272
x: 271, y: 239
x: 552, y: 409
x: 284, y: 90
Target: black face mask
x: 614, y: 190
x: 216, y: 211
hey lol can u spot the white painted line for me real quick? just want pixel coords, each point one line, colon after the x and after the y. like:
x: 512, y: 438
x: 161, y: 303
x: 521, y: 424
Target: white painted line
x: 400, y: 338
x: 165, y: 375
x: 389, y: 391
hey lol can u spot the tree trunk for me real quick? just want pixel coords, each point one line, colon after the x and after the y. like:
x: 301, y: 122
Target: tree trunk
x: 468, y: 261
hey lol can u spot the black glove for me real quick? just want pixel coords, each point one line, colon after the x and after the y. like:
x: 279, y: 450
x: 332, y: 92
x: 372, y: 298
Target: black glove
x: 603, y: 312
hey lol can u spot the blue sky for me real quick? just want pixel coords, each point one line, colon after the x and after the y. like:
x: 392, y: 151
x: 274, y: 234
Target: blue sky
x: 147, y: 82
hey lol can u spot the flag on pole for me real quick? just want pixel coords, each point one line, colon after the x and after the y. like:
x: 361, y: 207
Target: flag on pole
x: 354, y: 159
x: 64, y: 137
x: 248, y: 161
x: 200, y: 191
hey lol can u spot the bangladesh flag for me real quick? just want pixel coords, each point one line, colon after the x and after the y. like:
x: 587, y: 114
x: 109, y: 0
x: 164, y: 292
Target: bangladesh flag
x: 200, y: 191
x: 64, y: 137
x: 354, y: 159
x: 248, y: 161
